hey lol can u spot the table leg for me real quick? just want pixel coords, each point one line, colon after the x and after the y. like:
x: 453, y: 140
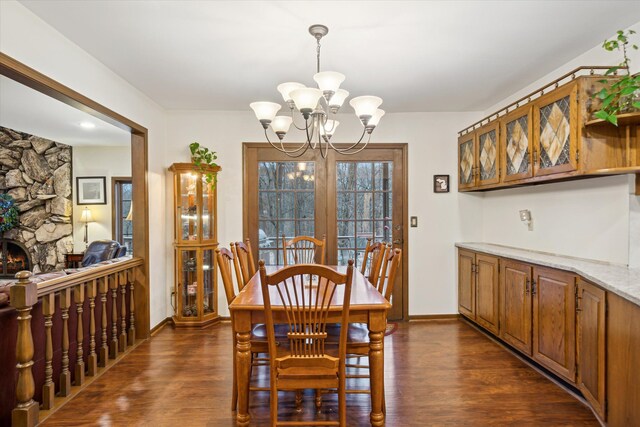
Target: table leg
x: 242, y: 324
x: 377, y: 325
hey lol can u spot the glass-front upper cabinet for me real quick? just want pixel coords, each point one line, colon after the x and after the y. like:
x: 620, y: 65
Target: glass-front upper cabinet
x: 195, y: 204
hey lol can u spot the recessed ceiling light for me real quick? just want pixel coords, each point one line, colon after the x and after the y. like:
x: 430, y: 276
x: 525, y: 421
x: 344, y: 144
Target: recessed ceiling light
x: 87, y: 125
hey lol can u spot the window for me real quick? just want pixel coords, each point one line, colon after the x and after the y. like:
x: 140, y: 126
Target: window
x: 122, y: 226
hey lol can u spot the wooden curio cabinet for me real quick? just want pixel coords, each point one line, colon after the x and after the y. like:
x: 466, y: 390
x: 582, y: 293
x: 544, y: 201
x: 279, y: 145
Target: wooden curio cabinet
x: 195, y: 241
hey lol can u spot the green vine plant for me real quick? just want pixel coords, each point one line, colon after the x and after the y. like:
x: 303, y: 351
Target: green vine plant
x: 201, y: 157
x: 621, y: 95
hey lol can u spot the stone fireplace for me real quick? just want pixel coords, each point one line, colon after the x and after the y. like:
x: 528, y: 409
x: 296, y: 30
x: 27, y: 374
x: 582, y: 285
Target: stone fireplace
x: 14, y: 257
x: 36, y: 172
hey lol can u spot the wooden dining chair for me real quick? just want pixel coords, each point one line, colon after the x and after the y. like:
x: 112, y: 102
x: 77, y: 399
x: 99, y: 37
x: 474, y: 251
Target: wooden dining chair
x: 375, y: 252
x: 307, y: 294
x: 259, y: 345
x: 303, y: 250
x: 243, y: 262
x: 358, y: 333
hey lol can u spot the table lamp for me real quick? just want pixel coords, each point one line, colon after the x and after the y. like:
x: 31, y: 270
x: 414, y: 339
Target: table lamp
x: 86, y: 218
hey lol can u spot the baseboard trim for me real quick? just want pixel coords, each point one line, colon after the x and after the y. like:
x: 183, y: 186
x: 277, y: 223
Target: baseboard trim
x: 156, y: 329
x: 433, y: 316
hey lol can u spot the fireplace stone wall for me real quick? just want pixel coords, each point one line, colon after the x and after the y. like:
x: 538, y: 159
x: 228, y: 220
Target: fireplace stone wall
x: 36, y: 172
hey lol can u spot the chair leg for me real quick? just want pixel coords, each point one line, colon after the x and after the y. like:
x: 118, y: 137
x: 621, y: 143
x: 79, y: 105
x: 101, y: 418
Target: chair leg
x: 342, y: 402
x: 273, y: 401
x: 234, y: 392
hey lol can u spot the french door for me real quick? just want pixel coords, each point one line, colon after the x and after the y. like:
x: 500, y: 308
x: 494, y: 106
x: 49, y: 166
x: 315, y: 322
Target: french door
x: 347, y: 198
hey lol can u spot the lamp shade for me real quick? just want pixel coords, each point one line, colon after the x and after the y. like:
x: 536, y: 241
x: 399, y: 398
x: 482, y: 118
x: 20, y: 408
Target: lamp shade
x: 306, y: 98
x: 329, y: 128
x: 365, y: 105
x: 338, y: 98
x: 265, y: 110
x: 285, y: 89
x: 329, y: 81
x: 281, y: 124
x: 375, y: 119
x: 86, y: 215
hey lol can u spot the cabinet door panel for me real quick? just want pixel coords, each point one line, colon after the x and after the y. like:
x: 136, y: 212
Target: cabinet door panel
x: 488, y: 165
x: 555, y: 131
x: 590, y: 333
x: 487, y: 292
x: 466, y: 284
x: 554, y: 321
x: 515, y: 310
x: 466, y: 161
x: 516, y: 140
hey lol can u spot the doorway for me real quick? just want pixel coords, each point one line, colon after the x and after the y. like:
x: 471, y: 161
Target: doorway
x: 348, y: 198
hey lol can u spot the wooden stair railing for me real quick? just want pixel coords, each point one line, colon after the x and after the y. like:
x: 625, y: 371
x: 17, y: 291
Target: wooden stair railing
x: 73, y: 293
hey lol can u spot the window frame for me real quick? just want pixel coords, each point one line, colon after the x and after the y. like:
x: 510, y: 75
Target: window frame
x: 116, y: 208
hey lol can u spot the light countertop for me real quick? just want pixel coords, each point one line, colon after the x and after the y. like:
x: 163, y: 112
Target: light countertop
x: 619, y: 279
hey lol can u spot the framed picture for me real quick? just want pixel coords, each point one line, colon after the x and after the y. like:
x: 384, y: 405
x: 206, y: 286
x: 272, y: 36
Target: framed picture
x: 91, y: 190
x: 440, y: 183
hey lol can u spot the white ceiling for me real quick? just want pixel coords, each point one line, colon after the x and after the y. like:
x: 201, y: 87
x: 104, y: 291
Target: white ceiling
x: 26, y: 110
x: 416, y: 55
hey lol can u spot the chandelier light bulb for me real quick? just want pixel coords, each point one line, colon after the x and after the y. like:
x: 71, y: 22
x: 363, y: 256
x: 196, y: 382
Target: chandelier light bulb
x: 329, y: 82
x: 365, y: 107
x: 306, y: 100
x: 336, y: 101
x: 280, y: 125
x: 374, y: 120
x: 285, y: 90
x: 265, y: 111
x: 329, y: 128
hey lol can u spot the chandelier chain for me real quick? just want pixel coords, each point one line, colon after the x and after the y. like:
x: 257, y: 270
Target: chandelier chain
x: 318, y: 56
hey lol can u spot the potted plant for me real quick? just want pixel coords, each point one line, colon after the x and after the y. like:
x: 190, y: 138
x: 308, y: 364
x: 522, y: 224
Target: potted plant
x: 201, y: 157
x: 621, y: 95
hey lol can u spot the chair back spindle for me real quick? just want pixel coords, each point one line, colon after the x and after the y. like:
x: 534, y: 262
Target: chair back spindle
x: 244, y: 264
x: 371, y: 270
x: 387, y: 278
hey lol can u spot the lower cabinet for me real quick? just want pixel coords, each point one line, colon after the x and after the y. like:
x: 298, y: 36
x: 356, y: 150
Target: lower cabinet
x: 554, y: 315
x: 582, y: 333
x: 478, y: 297
x: 515, y: 311
x: 591, y: 344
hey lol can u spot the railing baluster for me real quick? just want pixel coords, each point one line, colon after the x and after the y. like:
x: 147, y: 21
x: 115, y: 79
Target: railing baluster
x: 104, y: 348
x: 78, y: 296
x: 132, y: 319
x: 65, y: 375
x: 113, y: 345
x: 92, y: 360
x: 49, y: 388
x: 122, y: 281
x: 24, y: 296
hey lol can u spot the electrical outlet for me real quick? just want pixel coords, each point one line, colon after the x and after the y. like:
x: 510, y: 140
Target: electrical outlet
x: 414, y: 221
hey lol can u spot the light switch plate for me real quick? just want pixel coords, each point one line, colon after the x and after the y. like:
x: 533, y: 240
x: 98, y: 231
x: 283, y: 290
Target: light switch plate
x: 414, y: 221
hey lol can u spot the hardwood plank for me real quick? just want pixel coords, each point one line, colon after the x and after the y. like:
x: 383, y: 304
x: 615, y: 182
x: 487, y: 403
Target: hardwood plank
x: 437, y: 373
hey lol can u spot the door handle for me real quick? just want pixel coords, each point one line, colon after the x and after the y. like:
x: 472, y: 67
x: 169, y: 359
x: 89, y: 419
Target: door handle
x: 397, y: 242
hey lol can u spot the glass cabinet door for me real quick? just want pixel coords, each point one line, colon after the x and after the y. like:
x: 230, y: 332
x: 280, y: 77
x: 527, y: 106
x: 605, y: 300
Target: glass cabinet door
x: 466, y: 161
x: 208, y: 273
x: 187, y: 206
x: 487, y: 155
x: 188, y: 284
x: 516, y: 136
x: 208, y: 220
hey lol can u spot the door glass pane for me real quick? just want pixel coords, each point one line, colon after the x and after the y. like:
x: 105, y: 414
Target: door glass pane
x: 188, y: 207
x: 286, y: 204
x: 207, y: 281
x: 517, y: 146
x: 189, y: 284
x: 555, y: 133
x: 364, y: 209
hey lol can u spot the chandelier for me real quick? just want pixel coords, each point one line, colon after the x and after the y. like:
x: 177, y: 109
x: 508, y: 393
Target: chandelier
x: 318, y: 107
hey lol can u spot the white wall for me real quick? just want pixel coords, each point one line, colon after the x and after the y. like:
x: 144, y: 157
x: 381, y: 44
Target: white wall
x: 97, y: 161
x: 443, y: 218
x: 28, y: 39
x: 587, y: 218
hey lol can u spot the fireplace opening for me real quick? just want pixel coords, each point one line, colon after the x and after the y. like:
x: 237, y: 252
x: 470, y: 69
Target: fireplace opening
x: 14, y: 257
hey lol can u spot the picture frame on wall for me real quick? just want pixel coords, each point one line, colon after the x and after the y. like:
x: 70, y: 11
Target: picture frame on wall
x: 441, y: 183
x: 91, y: 190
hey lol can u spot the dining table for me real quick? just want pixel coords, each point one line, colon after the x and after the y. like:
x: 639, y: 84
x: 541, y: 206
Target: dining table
x: 367, y: 305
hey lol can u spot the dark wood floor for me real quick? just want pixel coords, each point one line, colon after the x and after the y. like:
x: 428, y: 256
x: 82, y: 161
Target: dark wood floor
x: 437, y: 373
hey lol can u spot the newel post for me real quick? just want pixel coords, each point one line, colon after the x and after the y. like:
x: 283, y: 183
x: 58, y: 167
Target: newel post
x: 24, y: 296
